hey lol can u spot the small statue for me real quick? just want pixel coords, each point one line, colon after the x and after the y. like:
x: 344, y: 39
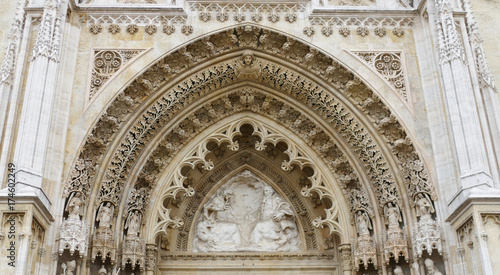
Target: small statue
x: 71, y: 266
x: 363, y: 223
x: 398, y: 270
x: 431, y: 269
x: 102, y: 271
x: 393, y: 215
x: 424, y: 206
x: 105, y: 215
x: 133, y: 223
x: 73, y: 207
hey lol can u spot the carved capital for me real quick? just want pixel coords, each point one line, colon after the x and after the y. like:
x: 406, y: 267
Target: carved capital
x: 346, y: 256
x: 151, y: 255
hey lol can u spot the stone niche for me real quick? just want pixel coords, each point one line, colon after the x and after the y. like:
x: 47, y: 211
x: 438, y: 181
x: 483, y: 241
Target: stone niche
x: 246, y: 214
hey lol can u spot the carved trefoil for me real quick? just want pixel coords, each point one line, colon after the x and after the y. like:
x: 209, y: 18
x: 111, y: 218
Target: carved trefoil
x: 133, y: 252
x: 105, y: 64
x: 74, y: 237
x: 389, y: 65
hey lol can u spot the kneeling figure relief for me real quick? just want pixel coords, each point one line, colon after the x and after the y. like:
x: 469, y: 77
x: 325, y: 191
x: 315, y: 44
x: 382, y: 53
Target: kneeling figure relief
x: 246, y: 214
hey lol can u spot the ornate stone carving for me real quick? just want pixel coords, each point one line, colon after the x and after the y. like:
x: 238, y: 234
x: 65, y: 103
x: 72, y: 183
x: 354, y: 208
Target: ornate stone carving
x: 449, y: 45
x: 412, y: 167
x: 380, y: 31
x: 485, y: 77
x: 395, y: 245
x: 426, y: 237
x: 15, y: 36
x: 246, y: 214
x: 390, y: 66
x: 150, y: 260
x: 48, y: 40
x: 73, y: 235
x: 132, y: 29
x: 365, y: 252
x: 133, y: 252
x: 104, y: 245
x: 106, y: 64
x: 78, y: 182
x: 248, y: 66
x: 362, y: 31
x: 431, y: 269
x: 346, y: 257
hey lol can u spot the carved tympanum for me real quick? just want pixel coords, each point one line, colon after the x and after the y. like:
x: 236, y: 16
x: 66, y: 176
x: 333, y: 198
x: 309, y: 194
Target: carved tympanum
x: 246, y: 214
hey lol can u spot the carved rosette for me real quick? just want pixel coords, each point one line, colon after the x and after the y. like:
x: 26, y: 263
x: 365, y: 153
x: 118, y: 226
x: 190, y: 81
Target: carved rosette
x: 389, y: 65
x: 151, y: 255
x: 395, y: 245
x: 106, y: 64
x: 133, y: 252
x: 73, y: 236
x: 365, y: 252
x: 427, y: 237
x: 103, y: 244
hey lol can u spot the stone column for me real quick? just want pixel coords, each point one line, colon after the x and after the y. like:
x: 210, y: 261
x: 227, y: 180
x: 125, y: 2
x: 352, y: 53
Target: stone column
x: 34, y: 124
x: 460, y: 99
x: 346, y: 256
x: 151, y: 258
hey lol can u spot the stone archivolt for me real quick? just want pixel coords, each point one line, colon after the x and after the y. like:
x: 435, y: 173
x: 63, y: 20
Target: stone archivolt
x: 341, y: 114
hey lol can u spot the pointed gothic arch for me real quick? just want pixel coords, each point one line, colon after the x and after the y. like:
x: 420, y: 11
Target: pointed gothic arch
x: 145, y: 127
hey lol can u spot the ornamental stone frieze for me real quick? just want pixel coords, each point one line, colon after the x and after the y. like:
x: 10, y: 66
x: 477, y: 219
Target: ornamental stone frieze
x: 106, y: 64
x: 389, y: 65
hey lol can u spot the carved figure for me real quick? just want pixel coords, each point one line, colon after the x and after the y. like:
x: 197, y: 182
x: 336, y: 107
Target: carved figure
x: 277, y: 224
x: 73, y: 207
x: 363, y: 223
x: 105, y: 215
x: 133, y: 223
x: 393, y: 214
x: 248, y: 66
x: 424, y: 206
x: 71, y: 266
x: 257, y: 220
x: 102, y: 271
x: 398, y: 270
x: 431, y: 269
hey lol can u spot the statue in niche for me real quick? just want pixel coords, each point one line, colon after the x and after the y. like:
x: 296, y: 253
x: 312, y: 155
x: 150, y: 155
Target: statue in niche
x: 73, y: 207
x: 133, y: 223
x: 424, y: 206
x: 105, y: 215
x: 245, y: 214
x: 363, y: 224
x: 248, y: 66
x: 431, y: 269
x: 393, y: 214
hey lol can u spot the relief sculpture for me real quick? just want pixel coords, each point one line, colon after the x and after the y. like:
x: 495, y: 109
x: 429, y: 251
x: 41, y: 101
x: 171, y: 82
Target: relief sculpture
x: 246, y: 214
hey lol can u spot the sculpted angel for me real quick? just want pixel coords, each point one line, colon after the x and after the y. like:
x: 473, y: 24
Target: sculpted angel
x: 247, y: 66
x: 133, y: 223
x: 105, y: 215
x: 393, y: 215
x: 363, y: 223
x: 73, y: 207
x: 424, y: 206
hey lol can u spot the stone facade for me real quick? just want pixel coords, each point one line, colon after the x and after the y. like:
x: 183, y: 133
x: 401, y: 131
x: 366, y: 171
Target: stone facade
x: 309, y: 137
